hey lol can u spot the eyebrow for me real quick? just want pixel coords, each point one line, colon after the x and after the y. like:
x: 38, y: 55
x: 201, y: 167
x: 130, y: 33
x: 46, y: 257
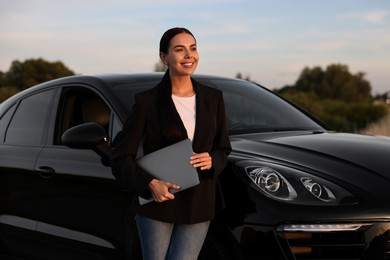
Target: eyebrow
x: 184, y: 46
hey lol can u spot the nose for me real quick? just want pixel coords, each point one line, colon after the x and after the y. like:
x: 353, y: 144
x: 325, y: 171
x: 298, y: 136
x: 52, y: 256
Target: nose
x: 187, y: 54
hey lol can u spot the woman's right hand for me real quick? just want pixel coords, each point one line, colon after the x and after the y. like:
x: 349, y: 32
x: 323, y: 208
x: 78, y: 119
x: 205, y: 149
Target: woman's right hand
x: 160, y: 190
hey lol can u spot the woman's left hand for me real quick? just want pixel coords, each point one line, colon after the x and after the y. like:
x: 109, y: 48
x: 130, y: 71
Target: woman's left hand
x: 202, y: 160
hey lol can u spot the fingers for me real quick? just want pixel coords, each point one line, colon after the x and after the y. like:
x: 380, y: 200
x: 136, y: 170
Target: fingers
x: 163, y: 197
x: 172, y: 186
x: 202, y: 160
x: 160, y: 190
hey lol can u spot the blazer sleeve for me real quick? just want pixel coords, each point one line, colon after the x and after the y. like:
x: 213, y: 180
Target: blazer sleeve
x: 221, y: 145
x: 124, y: 152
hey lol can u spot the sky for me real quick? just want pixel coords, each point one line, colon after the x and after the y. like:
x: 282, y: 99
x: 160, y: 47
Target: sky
x: 270, y: 42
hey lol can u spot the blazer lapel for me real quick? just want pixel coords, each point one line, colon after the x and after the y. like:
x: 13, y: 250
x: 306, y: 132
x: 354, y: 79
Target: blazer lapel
x: 201, y: 111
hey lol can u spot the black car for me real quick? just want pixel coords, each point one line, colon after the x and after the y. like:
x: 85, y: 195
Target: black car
x: 293, y: 189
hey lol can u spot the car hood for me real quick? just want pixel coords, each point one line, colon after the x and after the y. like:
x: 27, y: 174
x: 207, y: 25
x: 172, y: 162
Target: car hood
x: 372, y: 152
x: 360, y: 160
x: 366, y: 151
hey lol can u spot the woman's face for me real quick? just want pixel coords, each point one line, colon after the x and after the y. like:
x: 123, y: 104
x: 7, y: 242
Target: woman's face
x: 182, y: 57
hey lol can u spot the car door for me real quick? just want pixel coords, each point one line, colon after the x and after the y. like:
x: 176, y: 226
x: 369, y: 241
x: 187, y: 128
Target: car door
x: 23, y: 129
x: 83, y: 212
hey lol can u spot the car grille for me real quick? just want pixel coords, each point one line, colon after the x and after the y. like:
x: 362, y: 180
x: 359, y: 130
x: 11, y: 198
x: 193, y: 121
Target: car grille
x: 368, y: 241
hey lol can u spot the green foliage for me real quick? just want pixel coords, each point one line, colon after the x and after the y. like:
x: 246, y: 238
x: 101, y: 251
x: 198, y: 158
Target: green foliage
x: 31, y: 72
x: 6, y: 92
x: 336, y: 82
x: 337, y: 97
x: 34, y: 71
x: 2, y: 78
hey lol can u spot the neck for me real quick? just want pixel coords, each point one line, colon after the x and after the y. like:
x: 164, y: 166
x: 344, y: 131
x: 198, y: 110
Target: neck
x: 182, y: 86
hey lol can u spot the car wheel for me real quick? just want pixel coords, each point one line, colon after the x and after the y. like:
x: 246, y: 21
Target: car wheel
x: 220, y: 245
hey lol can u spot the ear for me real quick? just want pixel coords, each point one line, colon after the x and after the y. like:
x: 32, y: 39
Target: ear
x: 163, y: 58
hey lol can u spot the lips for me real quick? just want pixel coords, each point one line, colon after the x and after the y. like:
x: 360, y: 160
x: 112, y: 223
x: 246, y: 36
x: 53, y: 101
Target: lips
x: 188, y: 64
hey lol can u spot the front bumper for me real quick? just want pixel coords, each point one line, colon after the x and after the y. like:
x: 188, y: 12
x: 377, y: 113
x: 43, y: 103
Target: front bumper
x: 299, y: 241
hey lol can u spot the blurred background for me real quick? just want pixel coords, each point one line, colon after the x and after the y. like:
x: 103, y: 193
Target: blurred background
x: 330, y: 57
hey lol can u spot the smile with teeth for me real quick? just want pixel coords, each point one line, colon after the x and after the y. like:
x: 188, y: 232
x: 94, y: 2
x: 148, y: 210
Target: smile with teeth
x: 187, y: 64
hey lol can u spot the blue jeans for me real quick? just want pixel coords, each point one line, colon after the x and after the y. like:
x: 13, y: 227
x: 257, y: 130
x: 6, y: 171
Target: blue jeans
x: 170, y: 241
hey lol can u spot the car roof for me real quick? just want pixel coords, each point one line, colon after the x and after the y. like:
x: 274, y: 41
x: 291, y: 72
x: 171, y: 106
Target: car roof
x: 110, y: 79
x: 113, y: 79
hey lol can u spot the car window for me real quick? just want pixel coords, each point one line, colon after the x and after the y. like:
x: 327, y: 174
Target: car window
x: 116, y: 126
x: 250, y: 108
x: 81, y: 105
x: 28, y: 124
x: 126, y: 91
x: 4, y: 121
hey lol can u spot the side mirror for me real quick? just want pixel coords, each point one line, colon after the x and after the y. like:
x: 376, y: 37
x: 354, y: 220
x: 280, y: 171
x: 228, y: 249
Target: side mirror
x: 88, y: 136
x: 84, y: 136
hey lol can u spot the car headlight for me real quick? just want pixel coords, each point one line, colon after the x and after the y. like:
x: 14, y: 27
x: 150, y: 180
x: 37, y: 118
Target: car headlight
x: 294, y: 186
x: 271, y: 182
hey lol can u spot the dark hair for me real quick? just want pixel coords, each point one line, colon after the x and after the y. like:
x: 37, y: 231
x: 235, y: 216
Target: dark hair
x: 170, y: 129
x: 170, y: 124
x: 169, y: 34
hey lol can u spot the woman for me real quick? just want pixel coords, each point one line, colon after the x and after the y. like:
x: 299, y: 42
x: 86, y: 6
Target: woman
x: 175, y: 226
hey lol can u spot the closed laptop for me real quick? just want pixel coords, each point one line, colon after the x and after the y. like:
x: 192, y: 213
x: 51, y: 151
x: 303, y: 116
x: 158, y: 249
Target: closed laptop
x: 172, y: 164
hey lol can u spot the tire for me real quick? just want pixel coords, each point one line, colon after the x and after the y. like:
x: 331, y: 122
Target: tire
x: 220, y: 244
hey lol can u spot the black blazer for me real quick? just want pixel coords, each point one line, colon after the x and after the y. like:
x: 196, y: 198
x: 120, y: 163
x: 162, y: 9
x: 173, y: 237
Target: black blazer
x: 196, y: 204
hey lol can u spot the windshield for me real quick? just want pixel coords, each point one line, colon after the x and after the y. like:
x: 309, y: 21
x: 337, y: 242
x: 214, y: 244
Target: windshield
x: 249, y: 107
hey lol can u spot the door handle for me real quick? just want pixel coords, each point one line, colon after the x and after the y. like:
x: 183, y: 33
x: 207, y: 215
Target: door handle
x: 45, y: 171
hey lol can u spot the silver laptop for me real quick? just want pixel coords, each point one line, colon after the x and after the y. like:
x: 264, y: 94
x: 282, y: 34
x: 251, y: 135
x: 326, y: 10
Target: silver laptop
x: 172, y: 164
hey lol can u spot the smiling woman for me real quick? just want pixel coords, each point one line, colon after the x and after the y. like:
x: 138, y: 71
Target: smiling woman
x: 178, y: 108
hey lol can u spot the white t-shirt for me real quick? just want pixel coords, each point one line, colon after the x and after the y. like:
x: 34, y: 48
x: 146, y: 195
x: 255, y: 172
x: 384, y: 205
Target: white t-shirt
x: 186, y: 107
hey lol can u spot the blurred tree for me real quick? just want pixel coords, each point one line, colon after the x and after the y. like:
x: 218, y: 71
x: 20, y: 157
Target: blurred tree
x: 339, y: 98
x: 2, y: 78
x: 6, y: 92
x: 336, y: 82
x: 240, y: 76
x: 31, y: 72
x: 159, y: 66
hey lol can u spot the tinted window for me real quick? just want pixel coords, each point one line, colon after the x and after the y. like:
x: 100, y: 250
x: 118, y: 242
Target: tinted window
x: 126, y: 91
x: 81, y: 105
x: 4, y: 121
x: 249, y: 107
x: 116, y: 126
x: 27, y: 126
